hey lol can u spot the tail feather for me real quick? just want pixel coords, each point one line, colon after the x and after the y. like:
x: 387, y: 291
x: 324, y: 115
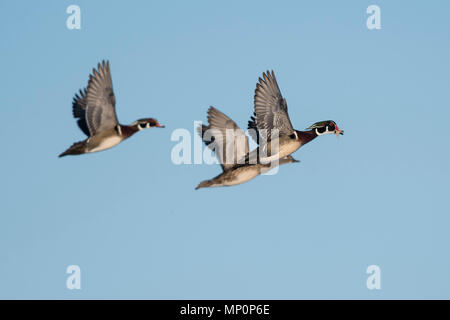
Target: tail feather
x: 76, y: 148
x: 287, y: 159
x: 204, y: 184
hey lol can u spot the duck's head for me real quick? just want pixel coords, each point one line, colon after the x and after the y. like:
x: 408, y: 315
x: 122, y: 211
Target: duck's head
x: 146, y: 123
x: 326, y: 127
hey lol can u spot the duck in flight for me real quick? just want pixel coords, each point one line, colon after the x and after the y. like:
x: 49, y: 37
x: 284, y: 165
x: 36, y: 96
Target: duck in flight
x: 230, y: 144
x: 95, y: 109
x: 271, y: 125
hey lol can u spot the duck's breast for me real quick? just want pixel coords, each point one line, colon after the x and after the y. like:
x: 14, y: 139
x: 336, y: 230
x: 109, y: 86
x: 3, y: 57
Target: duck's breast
x: 290, y: 147
x: 103, y: 143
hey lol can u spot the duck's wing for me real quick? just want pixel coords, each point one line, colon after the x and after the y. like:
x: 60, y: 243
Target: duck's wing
x: 101, y: 102
x: 253, y: 128
x: 271, y: 108
x: 231, y: 151
x: 79, y: 110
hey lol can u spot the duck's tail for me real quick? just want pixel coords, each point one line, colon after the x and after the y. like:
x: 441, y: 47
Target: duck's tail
x: 76, y: 148
x: 287, y: 159
x: 204, y: 184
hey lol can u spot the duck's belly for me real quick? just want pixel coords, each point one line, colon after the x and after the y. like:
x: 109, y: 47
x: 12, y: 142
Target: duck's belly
x: 288, y: 148
x: 106, y: 143
x: 284, y: 150
x: 241, y: 175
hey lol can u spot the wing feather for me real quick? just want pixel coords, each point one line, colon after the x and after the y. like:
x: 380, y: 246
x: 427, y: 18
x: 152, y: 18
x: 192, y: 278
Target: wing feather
x: 270, y: 108
x: 79, y: 110
x: 230, y: 141
x: 101, y: 102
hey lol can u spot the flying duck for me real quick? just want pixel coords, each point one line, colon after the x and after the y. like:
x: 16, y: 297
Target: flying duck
x: 94, y: 107
x: 231, y: 154
x: 270, y: 125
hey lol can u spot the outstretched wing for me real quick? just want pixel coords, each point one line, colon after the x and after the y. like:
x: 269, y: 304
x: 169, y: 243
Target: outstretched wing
x: 79, y: 110
x: 225, y: 137
x: 101, y: 102
x: 271, y: 108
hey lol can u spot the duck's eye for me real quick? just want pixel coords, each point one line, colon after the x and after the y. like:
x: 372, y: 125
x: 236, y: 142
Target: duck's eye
x: 322, y: 129
x: 293, y: 136
x: 152, y: 124
x: 331, y: 127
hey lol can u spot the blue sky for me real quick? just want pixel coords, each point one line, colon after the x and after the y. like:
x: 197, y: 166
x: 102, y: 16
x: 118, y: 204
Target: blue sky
x: 132, y: 220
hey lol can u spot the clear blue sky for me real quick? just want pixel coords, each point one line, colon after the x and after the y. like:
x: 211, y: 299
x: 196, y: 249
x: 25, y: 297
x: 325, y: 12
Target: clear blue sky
x: 132, y: 220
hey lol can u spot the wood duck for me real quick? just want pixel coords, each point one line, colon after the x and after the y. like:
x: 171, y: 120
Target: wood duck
x: 94, y: 107
x: 231, y: 152
x: 271, y: 118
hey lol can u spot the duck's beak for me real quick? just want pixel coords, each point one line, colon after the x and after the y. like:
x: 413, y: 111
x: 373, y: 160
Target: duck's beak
x: 160, y: 125
x: 339, y: 132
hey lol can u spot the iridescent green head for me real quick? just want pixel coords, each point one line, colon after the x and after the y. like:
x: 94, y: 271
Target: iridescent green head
x: 325, y: 127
